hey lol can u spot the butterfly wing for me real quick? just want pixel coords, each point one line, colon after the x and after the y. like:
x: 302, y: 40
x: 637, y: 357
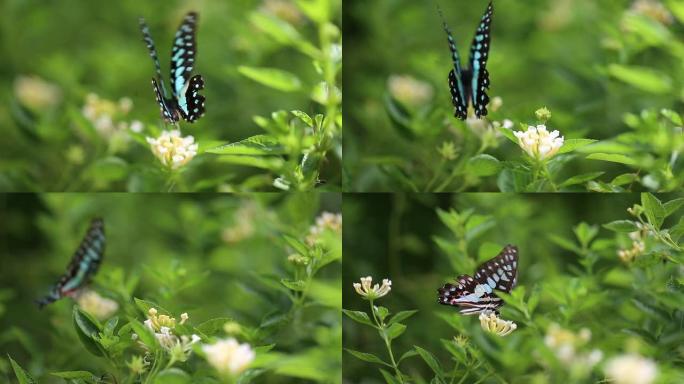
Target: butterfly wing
x: 191, y: 104
x: 479, y: 53
x: 183, y: 54
x: 475, y: 294
x: 456, y: 84
x: 168, y: 112
x: 83, y: 265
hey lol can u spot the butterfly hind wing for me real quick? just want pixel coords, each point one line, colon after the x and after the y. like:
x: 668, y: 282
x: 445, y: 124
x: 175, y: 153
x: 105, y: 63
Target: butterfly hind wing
x: 479, y: 53
x: 84, y: 264
x: 183, y: 54
x: 191, y: 104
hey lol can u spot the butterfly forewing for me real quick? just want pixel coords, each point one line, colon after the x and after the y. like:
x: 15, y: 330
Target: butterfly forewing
x: 476, y: 294
x: 183, y: 54
x: 479, y: 53
x: 458, y: 96
x: 84, y: 264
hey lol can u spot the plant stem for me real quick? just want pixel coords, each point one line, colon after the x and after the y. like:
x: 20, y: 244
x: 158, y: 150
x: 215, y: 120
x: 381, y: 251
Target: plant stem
x: 388, y: 343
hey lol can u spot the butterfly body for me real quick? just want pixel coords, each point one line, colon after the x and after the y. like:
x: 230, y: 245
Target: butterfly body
x: 184, y: 102
x: 470, y: 84
x: 476, y: 294
x: 84, y: 264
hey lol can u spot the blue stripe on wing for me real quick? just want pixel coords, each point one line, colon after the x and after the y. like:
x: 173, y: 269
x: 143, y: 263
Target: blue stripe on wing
x: 191, y: 103
x: 479, y: 53
x: 183, y: 54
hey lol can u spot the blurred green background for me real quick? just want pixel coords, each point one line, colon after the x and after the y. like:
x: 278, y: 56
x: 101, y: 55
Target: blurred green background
x: 55, y: 54
x: 208, y: 255
x: 589, y: 62
x: 396, y: 236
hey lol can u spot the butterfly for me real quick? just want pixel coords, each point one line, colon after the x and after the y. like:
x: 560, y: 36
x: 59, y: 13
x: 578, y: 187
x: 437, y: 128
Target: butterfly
x: 471, y: 83
x: 185, y: 101
x: 83, y: 265
x: 475, y: 295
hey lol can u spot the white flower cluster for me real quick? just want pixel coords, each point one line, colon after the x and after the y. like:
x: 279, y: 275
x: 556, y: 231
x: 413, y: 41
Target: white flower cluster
x: 409, y: 90
x: 100, y: 307
x: 325, y: 221
x: 490, y: 322
x: 539, y: 143
x: 566, y: 346
x: 172, y: 149
x: 370, y: 291
x: 163, y: 328
x: 631, y: 369
x: 638, y: 244
x: 108, y: 116
x: 36, y: 93
x: 229, y: 357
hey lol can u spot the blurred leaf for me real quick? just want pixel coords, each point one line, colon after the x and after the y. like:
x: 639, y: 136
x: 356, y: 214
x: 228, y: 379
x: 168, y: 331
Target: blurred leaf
x: 643, y: 78
x: 172, y: 376
x: 73, y: 375
x: 673, y: 116
x: 303, y: 116
x: 272, y: 77
x: 389, y: 379
x: 624, y: 226
x: 654, y: 210
x: 585, y: 233
x: 327, y: 293
x: 254, y: 145
x: 297, y: 245
x: 564, y: 243
x: 580, y: 179
x: 295, y: 285
x: 87, y: 330
x: 110, y: 168
x: 278, y: 29
x: 625, y: 178
x: 145, y: 305
x: 359, y: 317
x: 612, y: 157
x: 368, y: 357
x: 399, y: 116
x: 20, y: 373
x: 483, y: 165
x: 673, y: 205
x: 401, y: 316
x: 213, y: 327
x: 570, y: 145
x: 508, y: 133
x: 430, y: 360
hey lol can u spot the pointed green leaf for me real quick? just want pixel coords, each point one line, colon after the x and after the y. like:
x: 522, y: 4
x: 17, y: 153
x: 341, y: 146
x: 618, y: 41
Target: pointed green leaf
x: 272, y: 77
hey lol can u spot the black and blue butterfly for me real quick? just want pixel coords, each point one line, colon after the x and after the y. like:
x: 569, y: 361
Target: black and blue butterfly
x: 83, y: 266
x: 471, y: 83
x: 475, y: 294
x: 185, y: 101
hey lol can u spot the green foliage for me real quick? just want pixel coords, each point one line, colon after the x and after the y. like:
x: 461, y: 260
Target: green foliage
x: 612, y: 91
x: 197, y: 271
x: 598, y: 279
x: 78, y: 115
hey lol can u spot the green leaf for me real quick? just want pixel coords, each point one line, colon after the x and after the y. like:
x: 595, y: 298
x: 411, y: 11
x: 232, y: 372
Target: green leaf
x: 254, y: 145
x: 278, y: 29
x: 483, y: 165
x: 272, y: 77
x: 583, y: 178
x: 395, y: 330
x: 654, y: 210
x: 303, y: 116
x: 400, y: 316
x: 612, y: 157
x: 673, y: 205
x: 430, y: 360
x: 643, y: 78
x: 172, y: 376
x: 381, y: 312
x: 358, y: 316
x: 87, y: 330
x: 73, y: 375
x: 673, y: 116
x: 109, y: 168
x: 564, y: 243
x: 297, y: 245
x: 585, y: 233
x: 145, y: 305
x: 624, y: 226
x: 295, y: 285
x: 214, y: 326
x: 145, y: 335
x: 368, y: 357
x: 407, y: 354
x: 20, y: 373
x: 570, y: 145
x: 508, y: 133
x: 389, y: 378
x: 625, y: 178
x: 327, y: 293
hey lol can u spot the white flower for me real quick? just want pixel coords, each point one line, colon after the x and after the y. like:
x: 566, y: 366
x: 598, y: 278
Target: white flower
x: 36, y: 93
x: 163, y: 328
x: 172, y: 149
x: 490, y: 322
x: 507, y: 123
x: 409, y: 90
x: 370, y: 292
x: 100, y: 307
x: 325, y: 221
x: 538, y: 142
x: 631, y: 369
x: 136, y: 126
x: 228, y: 356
